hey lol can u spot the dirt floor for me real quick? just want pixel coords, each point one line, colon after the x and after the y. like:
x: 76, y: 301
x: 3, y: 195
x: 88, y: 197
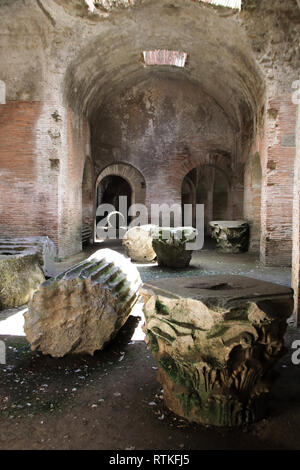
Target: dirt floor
x: 112, y: 400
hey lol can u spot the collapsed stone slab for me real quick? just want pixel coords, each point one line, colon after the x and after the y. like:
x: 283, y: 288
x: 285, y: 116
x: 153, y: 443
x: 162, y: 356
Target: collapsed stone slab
x: 170, y: 243
x: 231, y: 236
x: 20, y: 277
x: 42, y: 246
x: 138, y: 243
x: 216, y: 340
x: 82, y: 309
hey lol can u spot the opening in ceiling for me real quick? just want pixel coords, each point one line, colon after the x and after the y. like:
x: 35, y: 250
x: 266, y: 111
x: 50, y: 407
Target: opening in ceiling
x: 235, y: 4
x: 165, y: 57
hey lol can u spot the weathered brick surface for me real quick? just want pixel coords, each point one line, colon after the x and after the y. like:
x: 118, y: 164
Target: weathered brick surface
x: 71, y: 179
x: 88, y: 193
x: 278, y: 179
x: 27, y: 207
x: 41, y: 166
x: 252, y: 199
x: 214, y: 103
x: 166, y: 128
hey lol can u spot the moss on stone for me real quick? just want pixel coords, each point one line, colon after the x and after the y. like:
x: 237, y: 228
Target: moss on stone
x: 153, y: 344
x: 170, y: 367
x: 161, y: 308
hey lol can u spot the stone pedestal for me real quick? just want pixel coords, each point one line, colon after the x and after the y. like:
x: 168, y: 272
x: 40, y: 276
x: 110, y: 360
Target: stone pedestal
x: 169, y: 245
x: 83, y: 308
x: 231, y: 236
x: 138, y: 243
x: 216, y: 340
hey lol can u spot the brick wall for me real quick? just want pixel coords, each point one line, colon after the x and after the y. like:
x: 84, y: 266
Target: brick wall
x: 26, y: 205
x: 70, y: 187
x: 163, y: 128
x: 42, y: 152
x: 278, y: 179
x: 88, y: 193
x: 252, y: 200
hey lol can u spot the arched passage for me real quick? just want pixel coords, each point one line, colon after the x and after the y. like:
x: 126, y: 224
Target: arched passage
x: 109, y: 191
x: 111, y: 188
x: 132, y: 175
x: 120, y: 179
x: 210, y: 186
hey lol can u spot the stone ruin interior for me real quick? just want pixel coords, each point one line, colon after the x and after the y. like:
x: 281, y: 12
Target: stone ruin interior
x: 135, y: 342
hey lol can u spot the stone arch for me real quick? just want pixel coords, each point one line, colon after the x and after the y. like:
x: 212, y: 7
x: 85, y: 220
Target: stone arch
x: 132, y: 175
x: 204, y: 179
x: 215, y: 158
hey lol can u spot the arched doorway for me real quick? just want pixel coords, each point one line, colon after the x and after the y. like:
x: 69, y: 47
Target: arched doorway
x: 119, y: 179
x: 131, y: 175
x: 109, y: 191
x: 210, y: 186
x: 111, y: 188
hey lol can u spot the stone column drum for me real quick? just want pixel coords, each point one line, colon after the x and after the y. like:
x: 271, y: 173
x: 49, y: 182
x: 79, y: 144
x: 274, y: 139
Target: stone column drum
x: 231, y: 236
x: 216, y: 340
x: 82, y: 309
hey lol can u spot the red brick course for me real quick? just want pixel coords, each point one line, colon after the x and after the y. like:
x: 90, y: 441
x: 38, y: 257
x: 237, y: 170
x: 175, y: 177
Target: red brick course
x: 278, y: 180
x: 26, y: 208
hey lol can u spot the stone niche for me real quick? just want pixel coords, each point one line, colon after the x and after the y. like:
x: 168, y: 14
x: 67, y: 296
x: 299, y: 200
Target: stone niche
x: 216, y: 340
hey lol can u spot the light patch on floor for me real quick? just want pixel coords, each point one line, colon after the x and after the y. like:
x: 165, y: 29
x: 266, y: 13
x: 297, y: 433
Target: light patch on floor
x: 137, y: 311
x: 13, y: 325
x: 144, y: 265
